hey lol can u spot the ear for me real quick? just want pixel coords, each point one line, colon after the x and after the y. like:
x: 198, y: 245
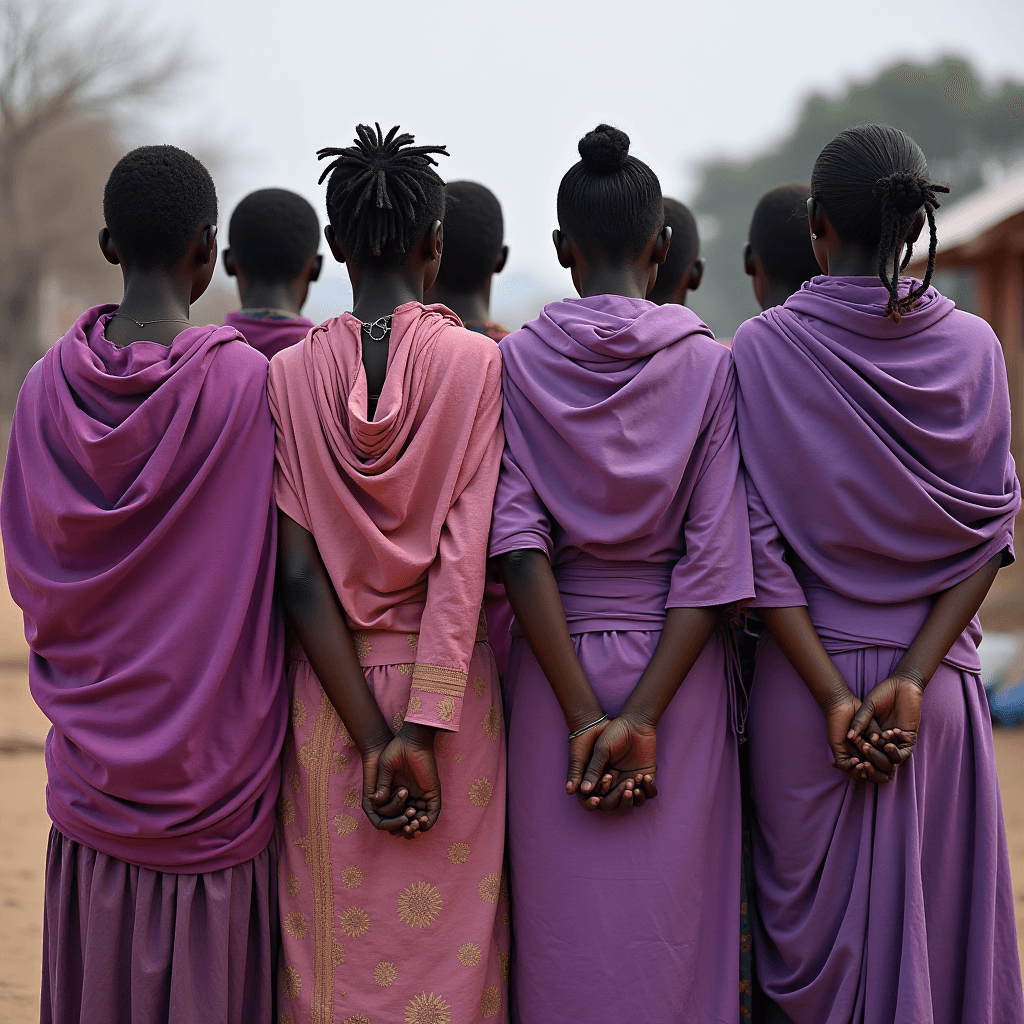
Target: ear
x: 230, y: 265
x: 334, y: 244
x: 435, y: 240
x: 661, y: 245
x: 318, y: 265
x: 916, y: 228
x: 817, y: 218
x: 499, y: 266
x: 208, y: 243
x: 563, y: 249
x: 107, y: 247
x: 749, y: 267
x: 696, y: 275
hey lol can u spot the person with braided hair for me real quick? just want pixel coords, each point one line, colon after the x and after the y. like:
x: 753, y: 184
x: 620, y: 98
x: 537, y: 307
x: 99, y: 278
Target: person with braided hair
x: 620, y: 528
x: 874, y: 421
x: 389, y: 441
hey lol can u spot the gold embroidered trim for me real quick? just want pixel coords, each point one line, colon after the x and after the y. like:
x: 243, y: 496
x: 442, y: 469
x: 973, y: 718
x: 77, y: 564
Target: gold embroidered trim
x: 449, y: 682
x: 318, y: 850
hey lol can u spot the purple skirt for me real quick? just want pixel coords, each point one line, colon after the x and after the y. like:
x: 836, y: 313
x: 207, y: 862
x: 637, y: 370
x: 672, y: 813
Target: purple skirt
x: 124, y: 944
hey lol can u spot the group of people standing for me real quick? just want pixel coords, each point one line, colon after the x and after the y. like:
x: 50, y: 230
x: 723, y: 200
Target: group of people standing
x: 404, y: 678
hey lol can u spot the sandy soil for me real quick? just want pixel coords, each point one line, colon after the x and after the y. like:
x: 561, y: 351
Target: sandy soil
x: 25, y: 824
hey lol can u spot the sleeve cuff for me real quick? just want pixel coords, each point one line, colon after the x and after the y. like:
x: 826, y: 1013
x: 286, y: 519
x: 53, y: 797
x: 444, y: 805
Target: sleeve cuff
x: 436, y: 696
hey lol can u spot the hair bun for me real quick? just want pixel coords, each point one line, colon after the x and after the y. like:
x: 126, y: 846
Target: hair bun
x: 907, y: 190
x: 605, y: 150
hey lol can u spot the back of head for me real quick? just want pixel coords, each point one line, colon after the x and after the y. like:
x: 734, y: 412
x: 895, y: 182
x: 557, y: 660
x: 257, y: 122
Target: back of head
x: 872, y: 181
x: 609, y: 201
x: 685, y: 248
x: 383, y: 193
x: 155, y: 200
x: 473, y: 235
x: 781, y: 237
x: 273, y: 233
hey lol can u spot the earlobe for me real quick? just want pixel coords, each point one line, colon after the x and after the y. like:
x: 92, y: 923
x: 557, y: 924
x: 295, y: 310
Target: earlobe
x: 696, y: 275
x: 107, y: 246
x: 499, y: 266
x: 562, y: 249
x: 334, y: 244
x: 661, y: 245
x: 228, y: 259
x: 318, y: 266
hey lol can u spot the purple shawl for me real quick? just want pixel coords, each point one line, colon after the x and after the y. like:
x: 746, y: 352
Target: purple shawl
x: 140, y: 534
x: 269, y: 335
x: 879, y: 451
x: 621, y: 446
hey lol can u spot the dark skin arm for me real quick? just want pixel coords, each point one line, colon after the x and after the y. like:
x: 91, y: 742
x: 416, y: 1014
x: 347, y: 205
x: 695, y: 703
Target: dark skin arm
x: 629, y: 743
x: 891, y: 712
x: 793, y: 632
x: 405, y: 761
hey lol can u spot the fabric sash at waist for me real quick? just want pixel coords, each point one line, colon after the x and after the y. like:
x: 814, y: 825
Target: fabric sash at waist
x: 846, y: 624
x: 376, y: 647
x: 600, y: 596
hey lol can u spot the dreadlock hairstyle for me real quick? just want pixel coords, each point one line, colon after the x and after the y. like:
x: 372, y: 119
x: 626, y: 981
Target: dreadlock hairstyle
x: 873, y: 181
x: 609, y: 201
x: 383, y: 192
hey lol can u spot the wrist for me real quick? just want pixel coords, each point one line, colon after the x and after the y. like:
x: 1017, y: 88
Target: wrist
x: 373, y: 739
x: 835, y: 697
x: 912, y: 674
x: 417, y: 734
x: 581, y: 719
x: 640, y: 714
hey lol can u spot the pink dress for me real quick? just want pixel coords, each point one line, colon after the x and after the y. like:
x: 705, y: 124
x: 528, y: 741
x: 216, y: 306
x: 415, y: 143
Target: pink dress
x: 376, y: 928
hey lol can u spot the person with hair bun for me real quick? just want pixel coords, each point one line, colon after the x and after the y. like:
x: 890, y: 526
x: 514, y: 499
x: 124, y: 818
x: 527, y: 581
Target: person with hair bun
x: 272, y: 237
x: 620, y: 528
x: 874, y: 420
x: 389, y: 442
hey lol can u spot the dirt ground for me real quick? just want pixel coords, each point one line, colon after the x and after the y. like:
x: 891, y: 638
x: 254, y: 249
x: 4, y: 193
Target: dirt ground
x: 25, y: 824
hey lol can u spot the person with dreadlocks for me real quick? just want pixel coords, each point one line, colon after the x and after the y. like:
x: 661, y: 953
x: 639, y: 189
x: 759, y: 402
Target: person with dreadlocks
x: 272, y: 241
x: 874, y: 421
x: 389, y: 441
x: 620, y: 525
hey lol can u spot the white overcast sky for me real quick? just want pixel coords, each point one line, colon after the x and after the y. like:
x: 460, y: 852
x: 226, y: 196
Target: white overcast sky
x: 510, y: 87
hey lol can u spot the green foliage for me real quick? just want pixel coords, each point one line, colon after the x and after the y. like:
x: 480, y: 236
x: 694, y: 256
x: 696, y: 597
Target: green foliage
x: 957, y: 122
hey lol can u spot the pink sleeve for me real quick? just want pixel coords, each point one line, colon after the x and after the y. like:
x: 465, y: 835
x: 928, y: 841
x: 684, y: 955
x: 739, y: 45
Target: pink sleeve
x: 455, y: 582
x: 775, y: 586
x: 715, y: 567
x: 286, y: 484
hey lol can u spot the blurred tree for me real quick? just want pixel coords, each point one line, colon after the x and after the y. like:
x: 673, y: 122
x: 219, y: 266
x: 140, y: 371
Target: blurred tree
x: 960, y: 125
x: 62, y: 83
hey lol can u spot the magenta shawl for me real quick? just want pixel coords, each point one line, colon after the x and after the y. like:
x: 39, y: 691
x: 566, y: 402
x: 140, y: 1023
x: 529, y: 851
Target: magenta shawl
x: 621, y: 446
x: 399, y: 505
x: 140, y: 538
x: 268, y: 335
x: 878, y: 452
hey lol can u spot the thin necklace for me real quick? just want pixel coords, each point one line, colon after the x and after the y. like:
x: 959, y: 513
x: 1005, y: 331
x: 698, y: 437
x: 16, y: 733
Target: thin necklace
x: 146, y: 323
x: 383, y: 325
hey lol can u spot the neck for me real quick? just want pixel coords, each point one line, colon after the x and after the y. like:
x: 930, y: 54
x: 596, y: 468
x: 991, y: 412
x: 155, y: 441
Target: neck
x: 270, y: 295
x: 378, y: 294
x: 778, y: 293
x: 852, y: 261
x: 153, y: 295
x: 612, y: 280
x: 467, y: 306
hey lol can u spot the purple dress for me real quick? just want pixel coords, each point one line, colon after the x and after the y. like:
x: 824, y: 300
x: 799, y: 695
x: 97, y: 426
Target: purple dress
x: 140, y: 537
x: 878, y: 458
x: 622, y: 465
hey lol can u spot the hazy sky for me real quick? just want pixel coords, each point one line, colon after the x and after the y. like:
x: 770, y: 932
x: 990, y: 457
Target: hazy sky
x: 510, y: 87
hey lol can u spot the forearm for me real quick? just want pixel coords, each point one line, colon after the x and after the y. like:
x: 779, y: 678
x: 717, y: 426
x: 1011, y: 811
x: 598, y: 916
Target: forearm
x: 795, y: 636
x: 950, y: 616
x: 315, y: 614
x: 683, y: 637
x: 533, y: 594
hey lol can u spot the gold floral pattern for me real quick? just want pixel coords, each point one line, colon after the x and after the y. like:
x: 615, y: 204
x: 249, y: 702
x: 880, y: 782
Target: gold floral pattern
x: 419, y: 905
x: 356, y: 1018
x: 385, y: 974
x: 294, y: 885
x: 296, y: 925
x: 284, y: 1018
x: 339, y: 761
x: 458, y: 853
x: 298, y: 713
x: 352, y: 796
x: 469, y: 954
x: 446, y: 709
x: 354, y: 922
x: 480, y: 792
x: 339, y: 953
x: 398, y: 721
x: 503, y: 963
x: 286, y: 810
x: 405, y: 668
x: 351, y: 877
x: 490, y: 1002
x: 458, y: 759
x: 362, y: 644
x: 291, y: 983
x: 427, y: 1009
x: 415, y: 704
x: 413, y: 640
x: 345, y: 824
x: 492, y: 723
x: 295, y: 781
x: 479, y: 685
x: 489, y: 887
